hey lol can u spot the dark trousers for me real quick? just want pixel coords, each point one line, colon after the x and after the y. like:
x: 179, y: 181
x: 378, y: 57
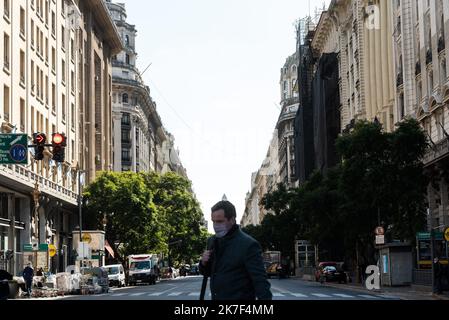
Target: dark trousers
x: 29, y: 284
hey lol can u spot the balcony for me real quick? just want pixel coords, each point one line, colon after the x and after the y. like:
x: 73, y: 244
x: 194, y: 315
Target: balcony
x: 25, y: 178
x: 437, y: 152
x: 132, y: 83
x: 119, y: 64
x: 290, y: 101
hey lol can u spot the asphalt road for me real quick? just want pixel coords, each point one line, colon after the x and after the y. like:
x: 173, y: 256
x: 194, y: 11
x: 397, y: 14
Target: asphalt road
x: 189, y: 289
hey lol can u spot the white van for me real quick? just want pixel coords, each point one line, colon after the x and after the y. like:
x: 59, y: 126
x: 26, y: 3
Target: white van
x: 141, y: 268
x: 116, y: 275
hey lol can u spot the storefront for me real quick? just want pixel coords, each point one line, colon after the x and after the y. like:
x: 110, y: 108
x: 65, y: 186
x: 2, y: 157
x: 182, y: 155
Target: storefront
x: 424, y: 249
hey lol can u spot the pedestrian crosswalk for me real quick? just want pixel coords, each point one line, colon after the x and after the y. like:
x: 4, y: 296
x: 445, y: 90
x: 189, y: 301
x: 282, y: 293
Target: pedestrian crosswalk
x: 276, y: 295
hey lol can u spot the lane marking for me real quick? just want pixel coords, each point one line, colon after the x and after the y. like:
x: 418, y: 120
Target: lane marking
x: 343, y: 295
x: 320, y: 295
x: 137, y: 294
x: 277, y: 294
x: 299, y: 295
x: 174, y: 294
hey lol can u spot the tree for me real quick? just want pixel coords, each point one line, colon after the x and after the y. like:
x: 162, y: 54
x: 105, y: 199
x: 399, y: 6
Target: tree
x: 133, y: 222
x: 181, y: 214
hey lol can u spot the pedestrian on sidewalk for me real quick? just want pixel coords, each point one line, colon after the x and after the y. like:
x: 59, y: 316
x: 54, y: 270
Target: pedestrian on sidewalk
x: 28, y: 274
x: 233, y: 260
x: 438, y: 273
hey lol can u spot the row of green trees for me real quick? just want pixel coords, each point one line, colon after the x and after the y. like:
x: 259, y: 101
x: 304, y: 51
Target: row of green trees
x: 147, y: 213
x: 380, y: 180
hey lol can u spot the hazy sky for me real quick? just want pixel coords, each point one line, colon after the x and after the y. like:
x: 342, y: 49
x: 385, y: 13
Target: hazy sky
x: 215, y: 78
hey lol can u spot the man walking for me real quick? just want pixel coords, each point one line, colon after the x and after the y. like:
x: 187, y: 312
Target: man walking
x: 233, y: 260
x: 28, y: 274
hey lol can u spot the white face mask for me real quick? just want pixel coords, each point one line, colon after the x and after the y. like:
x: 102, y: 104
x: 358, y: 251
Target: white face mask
x: 221, y: 229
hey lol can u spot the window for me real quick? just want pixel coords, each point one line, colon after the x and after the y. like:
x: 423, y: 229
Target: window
x: 125, y: 98
x: 443, y: 71
x: 6, y: 106
x: 33, y: 84
x: 46, y: 90
x: 72, y: 81
x: 127, y: 59
x: 22, y: 67
x: 73, y: 149
x: 63, y: 7
x: 63, y: 37
x: 32, y: 119
x: 53, y: 23
x: 7, y: 9
x: 126, y: 155
x: 6, y: 51
x: 127, y: 40
x: 72, y: 49
x: 63, y: 107
x: 63, y: 71
x: 46, y: 51
x: 72, y: 115
x: 22, y: 22
x: 32, y: 33
x: 53, y: 97
x: 22, y: 115
x: 126, y: 136
x: 401, y: 106
x: 53, y: 59
x: 430, y: 82
x: 126, y: 120
x: 418, y: 92
x: 46, y: 12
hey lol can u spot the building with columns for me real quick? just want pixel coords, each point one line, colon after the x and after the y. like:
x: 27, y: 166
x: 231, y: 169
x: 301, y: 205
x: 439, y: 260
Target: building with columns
x: 366, y: 63
x: 421, y: 59
x: 138, y: 132
x: 285, y: 123
x: 55, y: 77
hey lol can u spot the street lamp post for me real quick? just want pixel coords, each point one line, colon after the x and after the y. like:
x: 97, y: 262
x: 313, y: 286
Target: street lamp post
x: 80, y: 212
x: 105, y: 223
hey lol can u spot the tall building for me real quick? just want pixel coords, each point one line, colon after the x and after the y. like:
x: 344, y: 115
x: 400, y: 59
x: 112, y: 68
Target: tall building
x: 55, y: 78
x: 421, y: 59
x: 265, y: 180
x: 171, y: 159
x: 285, y: 124
x: 138, y: 132
x: 365, y: 60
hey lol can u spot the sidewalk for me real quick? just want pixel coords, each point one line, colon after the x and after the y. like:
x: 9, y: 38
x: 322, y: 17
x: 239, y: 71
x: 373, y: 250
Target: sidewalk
x: 404, y: 293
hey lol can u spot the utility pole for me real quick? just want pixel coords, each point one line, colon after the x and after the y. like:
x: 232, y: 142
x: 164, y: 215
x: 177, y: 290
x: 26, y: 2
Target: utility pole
x: 80, y: 208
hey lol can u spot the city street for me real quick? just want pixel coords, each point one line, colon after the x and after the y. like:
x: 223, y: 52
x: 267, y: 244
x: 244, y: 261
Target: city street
x: 189, y: 289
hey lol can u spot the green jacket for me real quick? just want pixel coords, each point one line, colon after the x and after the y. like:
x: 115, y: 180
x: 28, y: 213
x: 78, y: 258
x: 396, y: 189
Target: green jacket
x: 236, y: 268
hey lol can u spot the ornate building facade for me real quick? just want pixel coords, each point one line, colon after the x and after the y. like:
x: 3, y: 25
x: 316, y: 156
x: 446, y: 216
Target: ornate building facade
x: 138, y: 131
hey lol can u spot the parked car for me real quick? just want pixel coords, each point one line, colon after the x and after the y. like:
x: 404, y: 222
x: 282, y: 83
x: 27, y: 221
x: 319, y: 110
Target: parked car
x: 320, y: 269
x: 276, y: 270
x: 331, y: 273
x: 194, y: 270
x: 116, y: 275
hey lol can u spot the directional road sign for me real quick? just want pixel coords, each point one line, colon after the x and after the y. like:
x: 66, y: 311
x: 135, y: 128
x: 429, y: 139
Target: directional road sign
x: 13, y: 149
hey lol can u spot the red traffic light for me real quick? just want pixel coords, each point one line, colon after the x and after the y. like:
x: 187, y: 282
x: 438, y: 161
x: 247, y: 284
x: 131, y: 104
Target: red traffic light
x: 58, y: 139
x: 40, y: 138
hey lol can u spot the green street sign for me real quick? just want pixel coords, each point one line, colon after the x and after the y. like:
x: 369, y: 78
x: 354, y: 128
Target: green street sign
x: 13, y: 149
x: 29, y: 247
x: 426, y: 235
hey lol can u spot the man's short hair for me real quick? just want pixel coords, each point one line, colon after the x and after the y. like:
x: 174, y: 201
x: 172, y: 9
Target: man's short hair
x: 227, y: 207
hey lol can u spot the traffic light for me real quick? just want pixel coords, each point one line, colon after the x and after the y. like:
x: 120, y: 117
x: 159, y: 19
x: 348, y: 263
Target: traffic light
x: 59, y: 142
x: 39, y: 141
